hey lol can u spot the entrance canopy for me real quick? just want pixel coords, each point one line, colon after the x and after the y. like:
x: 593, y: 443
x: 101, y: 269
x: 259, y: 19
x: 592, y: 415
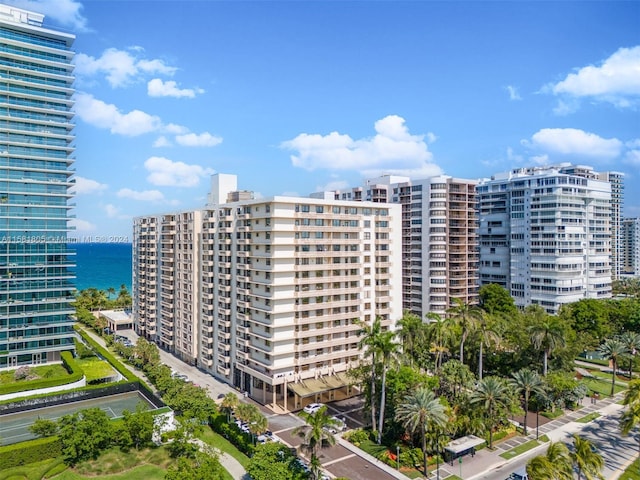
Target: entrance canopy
x: 314, y: 386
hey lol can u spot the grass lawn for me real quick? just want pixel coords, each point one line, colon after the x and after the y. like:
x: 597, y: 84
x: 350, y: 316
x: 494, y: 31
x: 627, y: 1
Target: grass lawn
x: 525, y: 447
x: 607, y: 377
x: 44, y: 371
x: 632, y: 472
x: 588, y: 418
x: 601, y: 386
x: 218, y: 441
x: 143, y: 472
x: 94, y: 368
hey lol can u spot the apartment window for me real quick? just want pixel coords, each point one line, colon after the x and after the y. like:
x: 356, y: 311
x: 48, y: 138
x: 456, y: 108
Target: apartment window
x: 319, y: 209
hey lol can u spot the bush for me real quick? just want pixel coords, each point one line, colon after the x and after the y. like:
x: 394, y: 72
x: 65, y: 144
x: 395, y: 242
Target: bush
x: 230, y: 431
x: 29, y: 452
x: 22, y: 373
x: 357, y: 436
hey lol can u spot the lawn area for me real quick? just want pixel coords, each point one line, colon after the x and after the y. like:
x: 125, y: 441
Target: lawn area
x: 607, y: 377
x: 33, y: 471
x: 601, y: 386
x: 43, y: 371
x: 94, y: 368
x: 525, y: 447
x: 143, y: 472
x: 588, y: 418
x: 632, y: 472
x: 218, y: 441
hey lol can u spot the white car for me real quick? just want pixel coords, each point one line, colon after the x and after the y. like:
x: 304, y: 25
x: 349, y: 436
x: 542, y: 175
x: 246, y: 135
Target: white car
x: 338, y: 426
x: 313, y: 407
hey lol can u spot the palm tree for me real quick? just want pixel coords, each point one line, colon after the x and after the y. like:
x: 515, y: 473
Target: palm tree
x: 419, y: 410
x: 439, y: 334
x: 369, y: 338
x: 631, y: 340
x: 466, y: 317
x: 631, y: 416
x: 229, y: 404
x: 612, y: 349
x: 585, y: 459
x: 388, y: 348
x: 111, y: 291
x: 411, y: 330
x: 488, y: 335
x: 547, y: 335
x: 555, y: 465
x: 493, y: 394
x: 316, y: 433
x: 527, y: 382
x: 632, y: 395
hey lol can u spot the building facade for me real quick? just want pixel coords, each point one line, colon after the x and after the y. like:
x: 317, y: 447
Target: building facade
x: 273, y: 301
x: 439, y: 238
x: 545, y: 235
x: 630, y: 247
x: 36, y: 266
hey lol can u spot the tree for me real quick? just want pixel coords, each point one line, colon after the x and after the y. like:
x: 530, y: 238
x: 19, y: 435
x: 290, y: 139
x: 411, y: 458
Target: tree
x: 527, y: 382
x: 495, y: 299
x: 631, y: 341
x: 316, y: 433
x: 455, y: 378
x: 492, y: 393
x: 387, y: 350
x: 612, y: 349
x: 229, y: 404
x: 585, y: 459
x: 439, y: 335
x: 140, y: 425
x: 369, y: 338
x: 111, y: 291
x: 630, y: 418
x: 203, y: 466
x: 412, y: 332
x: 84, y: 435
x: 44, y: 427
x: 272, y: 461
x: 418, y: 411
x: 466, y: 317
x: 547, y: 334
x: 555, y: 465
x: 487, y: 335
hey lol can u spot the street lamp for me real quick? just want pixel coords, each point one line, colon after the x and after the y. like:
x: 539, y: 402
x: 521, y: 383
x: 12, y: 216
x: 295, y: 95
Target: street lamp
x: 398, y: 456
x: 537, y: 418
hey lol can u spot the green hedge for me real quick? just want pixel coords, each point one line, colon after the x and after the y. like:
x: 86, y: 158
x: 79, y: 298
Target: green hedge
x: 230, y: 431
x: 29, y: 452
x: 75, y: 374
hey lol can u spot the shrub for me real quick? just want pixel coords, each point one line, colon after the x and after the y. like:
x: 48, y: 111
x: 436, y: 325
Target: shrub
x: 29, y: 452
x: 230, y: 431
x: 357, y: 436
x: 22, y: 373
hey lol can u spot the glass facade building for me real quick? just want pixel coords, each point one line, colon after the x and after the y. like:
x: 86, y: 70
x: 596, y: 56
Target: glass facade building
x: 36, y: 154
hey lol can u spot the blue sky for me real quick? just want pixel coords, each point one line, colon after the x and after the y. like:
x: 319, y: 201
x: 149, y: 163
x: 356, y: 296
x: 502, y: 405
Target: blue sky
x: 296, y: 97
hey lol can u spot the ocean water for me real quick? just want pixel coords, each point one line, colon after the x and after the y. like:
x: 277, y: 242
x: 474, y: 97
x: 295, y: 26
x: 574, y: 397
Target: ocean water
x: 102, y: 265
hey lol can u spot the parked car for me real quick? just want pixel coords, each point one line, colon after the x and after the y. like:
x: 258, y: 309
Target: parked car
x: 520, y: 474
x: 267, y: 436
x: 339, y: 425
x: 313, y: 407
x: 302, y: 464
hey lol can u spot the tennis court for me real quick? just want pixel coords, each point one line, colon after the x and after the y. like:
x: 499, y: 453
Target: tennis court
x: 14, y: 427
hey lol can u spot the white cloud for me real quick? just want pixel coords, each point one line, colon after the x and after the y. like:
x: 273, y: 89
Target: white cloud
x: 111, y: 210
x: 540, y: 159
x: 392, y: 150
x: 120, y: 66
x: 167, y: 173
x: 513, y: 92
x: 198, y: 140
x: 162, y: 142
x: 632, y: 157
x: 65, y: 12
x: 158, y: 88
x: 174, y: 129
x: 144, y: 196
x: 104, y: 115
x: 81, y: 225
x: 616, y: 80
x: 87, y: 186
x: 333, y: 186
x: 572, y: 141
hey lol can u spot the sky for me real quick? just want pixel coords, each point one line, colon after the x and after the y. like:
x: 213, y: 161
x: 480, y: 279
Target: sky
x: 296, y: 97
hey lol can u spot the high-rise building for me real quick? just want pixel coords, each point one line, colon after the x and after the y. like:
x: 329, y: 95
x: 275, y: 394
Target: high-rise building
x: 36, y: 276
x: 630, y: 247
x: 268, y: 294
x: 439, y: 237
x: 545, y: 235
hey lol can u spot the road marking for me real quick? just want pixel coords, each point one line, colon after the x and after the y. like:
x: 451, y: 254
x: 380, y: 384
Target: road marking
x: 326, y: 464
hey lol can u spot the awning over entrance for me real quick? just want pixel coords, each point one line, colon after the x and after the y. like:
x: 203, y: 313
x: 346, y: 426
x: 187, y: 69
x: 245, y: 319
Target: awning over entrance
x: 313, y: 386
